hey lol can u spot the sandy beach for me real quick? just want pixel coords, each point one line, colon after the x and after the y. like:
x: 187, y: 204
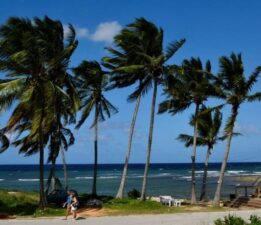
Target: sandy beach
x: 199, y: 218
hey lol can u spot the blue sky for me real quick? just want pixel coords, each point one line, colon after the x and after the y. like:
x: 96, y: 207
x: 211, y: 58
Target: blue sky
x: 211, y: 28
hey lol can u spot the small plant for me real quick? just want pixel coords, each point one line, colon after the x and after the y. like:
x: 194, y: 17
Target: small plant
x: 230, y: 220
x: 134, y: 194
x: 255, y: 220
x: 234, y: 220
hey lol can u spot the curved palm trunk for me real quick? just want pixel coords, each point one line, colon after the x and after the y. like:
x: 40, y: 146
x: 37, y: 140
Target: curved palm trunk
x: 222, y: 173
x: 43, y: 202
x: 152, y: 115
x: 95, y: 166
x: 205, y: 175
x: 51, y: 178
x: 193, y: 159
x: 125, y: 169
x: 64, y: 169
x: 217, y: 196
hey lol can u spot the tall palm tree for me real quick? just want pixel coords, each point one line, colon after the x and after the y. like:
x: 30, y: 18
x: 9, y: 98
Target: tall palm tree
x: 58, y: 52
x: 121, y: 79
x: 92, y: 82
x: 237, y: 89
x: 192, y: 86
x: 209, y: 124
x: 141, y: 44
x: 24, y: 56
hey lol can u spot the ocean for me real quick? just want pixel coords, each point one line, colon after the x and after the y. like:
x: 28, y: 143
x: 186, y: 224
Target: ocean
x: 164, y: 178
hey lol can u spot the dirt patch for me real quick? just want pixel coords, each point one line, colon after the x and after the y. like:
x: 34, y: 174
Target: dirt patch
x: 95, y: 212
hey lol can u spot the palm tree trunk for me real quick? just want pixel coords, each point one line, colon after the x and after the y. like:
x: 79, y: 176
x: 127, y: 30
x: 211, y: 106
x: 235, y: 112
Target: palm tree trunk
x: 193, y: 159
x: 64, y: 169
x: 125, y: 169
x: 152, y: 115
x: 217, y: 196
x: 43, y: 202
x: 51, y: 177
x: 95, y: 166
x: 222, y: 172
x: 205, y: 175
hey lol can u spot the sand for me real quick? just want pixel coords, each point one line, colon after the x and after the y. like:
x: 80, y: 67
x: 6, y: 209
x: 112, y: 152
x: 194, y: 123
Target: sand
x: 197, y: 218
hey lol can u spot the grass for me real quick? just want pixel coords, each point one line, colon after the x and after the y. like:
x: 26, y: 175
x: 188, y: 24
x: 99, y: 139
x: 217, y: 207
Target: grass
x: 26, y: 204
x: 132, y: 206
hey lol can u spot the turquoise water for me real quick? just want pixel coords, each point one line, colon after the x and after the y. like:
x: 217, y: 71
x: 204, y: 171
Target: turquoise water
x: 164, y: 179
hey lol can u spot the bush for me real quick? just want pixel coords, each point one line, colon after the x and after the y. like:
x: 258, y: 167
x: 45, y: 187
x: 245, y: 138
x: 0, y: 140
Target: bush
x: 134, y: 194
x: 255, y: 220
x: 230, y: 220
x: 234, y: 220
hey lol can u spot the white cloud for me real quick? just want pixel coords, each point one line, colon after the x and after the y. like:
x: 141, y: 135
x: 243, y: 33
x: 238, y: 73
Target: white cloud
x: 106, y: 31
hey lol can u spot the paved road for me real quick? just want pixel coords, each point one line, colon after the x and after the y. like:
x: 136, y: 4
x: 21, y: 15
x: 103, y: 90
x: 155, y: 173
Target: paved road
x: 199, y: 218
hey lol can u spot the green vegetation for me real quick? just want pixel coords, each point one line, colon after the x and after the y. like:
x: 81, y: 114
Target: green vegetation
x: 234, y: 220
x: 25, y: 204
x: 127, y: 206
x: 18, y: 203
x: 134, y: 194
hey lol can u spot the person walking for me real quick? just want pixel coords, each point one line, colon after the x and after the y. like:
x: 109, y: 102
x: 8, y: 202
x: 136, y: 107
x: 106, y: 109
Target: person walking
x: 74, y: 206
x: 68, y: 204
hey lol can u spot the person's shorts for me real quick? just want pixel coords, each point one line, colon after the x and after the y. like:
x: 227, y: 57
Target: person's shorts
x: 73, y: 208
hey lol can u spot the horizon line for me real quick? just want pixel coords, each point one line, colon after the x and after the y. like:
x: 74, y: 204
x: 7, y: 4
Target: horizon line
x: 33, y: 164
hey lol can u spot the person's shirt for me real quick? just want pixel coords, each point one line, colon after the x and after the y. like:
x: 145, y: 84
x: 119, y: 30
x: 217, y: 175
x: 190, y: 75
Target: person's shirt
x: 69, y: 200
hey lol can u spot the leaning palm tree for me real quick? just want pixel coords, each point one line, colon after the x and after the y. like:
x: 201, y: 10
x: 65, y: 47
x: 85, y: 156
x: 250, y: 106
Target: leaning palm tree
x: 208, y: 129
x: 237, y: 89
x: 141, y: 46
x: 58, y: 52
x: 92, y: 82
x: 121, y: 79
x: 24, y: 57
x: 192, y: 87
x: 20, y: 56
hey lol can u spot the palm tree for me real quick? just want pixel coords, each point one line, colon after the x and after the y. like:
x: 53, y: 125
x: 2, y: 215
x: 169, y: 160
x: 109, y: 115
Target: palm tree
x: 59, y: 50
x: 141, y: 44
x: 237, y: 89
x: 121, y: 80
x: 192, y: 86
x: 24, y: 56
x: 208, y: 129
x: 92, y: 82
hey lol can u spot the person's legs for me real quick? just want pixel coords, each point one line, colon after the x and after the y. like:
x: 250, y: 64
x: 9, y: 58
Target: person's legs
x: 74, y: 214
x: 68, y: 209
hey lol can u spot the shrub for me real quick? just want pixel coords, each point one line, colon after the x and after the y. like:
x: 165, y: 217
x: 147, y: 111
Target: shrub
x: 234, y: 220
x: 134, y: 194
x: 255, y: 220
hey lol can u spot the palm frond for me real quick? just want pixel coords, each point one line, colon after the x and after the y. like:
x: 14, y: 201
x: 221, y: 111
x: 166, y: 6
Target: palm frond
x: 173, y: 47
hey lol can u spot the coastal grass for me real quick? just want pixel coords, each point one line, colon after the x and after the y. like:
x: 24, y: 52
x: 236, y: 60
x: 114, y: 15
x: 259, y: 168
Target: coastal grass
x: 26, y: 204
x: 128, y: 206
